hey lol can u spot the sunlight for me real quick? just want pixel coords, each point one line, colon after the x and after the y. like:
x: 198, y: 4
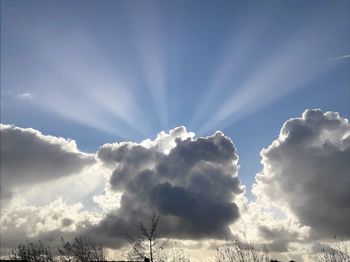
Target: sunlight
x: 213, y: 130
x: 236, y: 57
x: 287, y: 69
x: 94, y: 96
x: 148, y: 41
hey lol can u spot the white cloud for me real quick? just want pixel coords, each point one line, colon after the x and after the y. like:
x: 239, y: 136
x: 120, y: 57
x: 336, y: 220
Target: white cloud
x: 339, y: 57
x: 191, y: 182
x: 306, y: 173
x: 109, y: 200
x: 48, y: 223
x: 25, y: 96
x: 29, y: 157
x: 47, y: 185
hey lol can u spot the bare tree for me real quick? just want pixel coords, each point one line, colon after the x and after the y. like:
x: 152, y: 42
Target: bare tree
x: 176, y: 253
x: 239, y: 252
x: 32, y: 252
x: 81, y: 250
x: 338, y: 252
x: 147, y: 246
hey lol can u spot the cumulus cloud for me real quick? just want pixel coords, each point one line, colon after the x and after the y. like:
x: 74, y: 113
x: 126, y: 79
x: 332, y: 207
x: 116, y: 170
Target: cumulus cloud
x: 29, y: 157
x: 265, y: 226
x: 191, y: 182
x: 307, y: 173
x: 48, y: 223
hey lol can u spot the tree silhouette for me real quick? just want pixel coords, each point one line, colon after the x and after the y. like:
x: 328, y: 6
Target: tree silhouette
x: 147, y: 246
x: 176, y: 253
x: 338, y: 252
x: 238, y: 252
x: 80, y: 250
x: 32, y: 252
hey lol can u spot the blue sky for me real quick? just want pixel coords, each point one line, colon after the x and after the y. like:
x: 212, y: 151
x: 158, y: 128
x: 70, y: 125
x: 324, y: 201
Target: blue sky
x: 108, y: 71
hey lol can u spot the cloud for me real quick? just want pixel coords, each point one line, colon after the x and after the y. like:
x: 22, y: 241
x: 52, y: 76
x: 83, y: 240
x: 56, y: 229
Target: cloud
x: 190, y: 182
x: 339, y: 57
x: 29, y: 157
x: 25, y: 96
x: 264, y: 226
x: 306, y: 172
x: 279, y: 237
x: 48, y: 223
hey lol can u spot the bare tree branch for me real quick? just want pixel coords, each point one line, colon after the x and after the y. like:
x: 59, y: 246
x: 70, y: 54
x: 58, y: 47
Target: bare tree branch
x: 147, y: 246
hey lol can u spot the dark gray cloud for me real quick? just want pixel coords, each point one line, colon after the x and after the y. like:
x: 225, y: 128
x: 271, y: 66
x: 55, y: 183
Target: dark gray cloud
x: 276, y: 233
x: 278, y: 238
x: 29, y: 157
x: 190, y: 182
x: 308, y: 170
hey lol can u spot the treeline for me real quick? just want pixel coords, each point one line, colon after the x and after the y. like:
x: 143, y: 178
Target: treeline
x: 147, y: 247
x: 81, y: 249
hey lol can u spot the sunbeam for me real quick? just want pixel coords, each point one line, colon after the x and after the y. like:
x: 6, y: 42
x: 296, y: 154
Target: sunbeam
x: 115, y: 108
x: 289, y: 67
x: 210, y: 119
x: 148, y: 41
x: 236, y: 55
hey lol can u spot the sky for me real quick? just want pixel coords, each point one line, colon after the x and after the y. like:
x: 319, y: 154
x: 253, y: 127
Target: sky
x: 79, y: 79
